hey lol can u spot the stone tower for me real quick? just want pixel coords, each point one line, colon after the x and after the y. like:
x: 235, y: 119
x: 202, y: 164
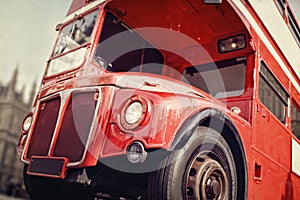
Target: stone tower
x: 13, y: 109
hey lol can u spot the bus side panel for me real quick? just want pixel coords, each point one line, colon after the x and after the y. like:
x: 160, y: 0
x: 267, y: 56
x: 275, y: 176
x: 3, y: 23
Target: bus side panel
x: 271, y: 181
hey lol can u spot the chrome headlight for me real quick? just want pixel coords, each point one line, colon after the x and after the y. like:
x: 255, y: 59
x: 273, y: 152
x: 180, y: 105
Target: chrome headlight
x: 133, y: 113
x: 27, y: 123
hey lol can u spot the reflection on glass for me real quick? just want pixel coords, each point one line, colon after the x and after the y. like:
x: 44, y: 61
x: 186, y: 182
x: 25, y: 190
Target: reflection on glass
x: 67, y: 62
x: 75, y: 33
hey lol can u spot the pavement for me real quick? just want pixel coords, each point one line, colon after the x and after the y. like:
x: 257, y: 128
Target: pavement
x: 4, y: 197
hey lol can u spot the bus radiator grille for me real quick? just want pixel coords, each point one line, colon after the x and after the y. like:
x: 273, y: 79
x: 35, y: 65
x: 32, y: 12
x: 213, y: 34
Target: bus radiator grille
x: 44, y: 128
x: 76, y: 125
x: 76, y: 119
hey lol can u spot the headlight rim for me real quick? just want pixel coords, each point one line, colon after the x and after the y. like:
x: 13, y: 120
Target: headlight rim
x: 134, y: 99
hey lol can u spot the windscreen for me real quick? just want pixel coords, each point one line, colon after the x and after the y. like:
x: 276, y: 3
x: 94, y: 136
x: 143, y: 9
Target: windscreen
x: 121, y: 49
x: 76, y: 33
x: 70, y: 49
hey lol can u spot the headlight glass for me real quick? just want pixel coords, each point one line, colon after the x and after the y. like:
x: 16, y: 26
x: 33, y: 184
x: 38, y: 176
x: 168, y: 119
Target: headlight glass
x: 27, y: 123
x: 134, y: 112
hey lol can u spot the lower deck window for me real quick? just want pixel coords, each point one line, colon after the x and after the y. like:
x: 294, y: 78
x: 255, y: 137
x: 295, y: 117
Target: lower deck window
x: 221, y: 79
x: 272, y: 94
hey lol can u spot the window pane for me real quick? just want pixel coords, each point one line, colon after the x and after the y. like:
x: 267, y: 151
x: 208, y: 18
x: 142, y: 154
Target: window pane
x: 120, y: 49
x: 271, y: 93
x: 221, y: 79
x: 75, y: 33
x: 294, y: 26
x: 275, y: 85
x: 296, y: 121
x: 295, y: 7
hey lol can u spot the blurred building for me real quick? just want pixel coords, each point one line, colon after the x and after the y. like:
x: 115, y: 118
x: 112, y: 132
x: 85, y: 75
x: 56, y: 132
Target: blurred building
x: 13, y: 109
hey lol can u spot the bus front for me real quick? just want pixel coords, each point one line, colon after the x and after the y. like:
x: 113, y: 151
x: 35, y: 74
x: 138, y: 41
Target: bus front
x: 119, y: 91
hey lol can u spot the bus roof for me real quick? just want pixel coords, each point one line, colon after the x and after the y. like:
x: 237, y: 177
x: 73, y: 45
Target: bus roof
x: 78, y: 4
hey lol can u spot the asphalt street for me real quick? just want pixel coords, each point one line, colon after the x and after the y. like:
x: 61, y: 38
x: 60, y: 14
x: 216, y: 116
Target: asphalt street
x: 4, y: 197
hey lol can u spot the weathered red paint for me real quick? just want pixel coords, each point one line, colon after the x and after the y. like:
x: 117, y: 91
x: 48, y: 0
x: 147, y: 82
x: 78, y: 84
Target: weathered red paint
x: 266, y: 142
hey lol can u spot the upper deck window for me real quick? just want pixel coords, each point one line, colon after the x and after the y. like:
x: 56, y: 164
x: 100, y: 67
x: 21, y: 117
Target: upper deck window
x: 221, y: 79
x: 121, y: 49
x: 281, y: 6
x: 293, y: 26
x: 285, y: 8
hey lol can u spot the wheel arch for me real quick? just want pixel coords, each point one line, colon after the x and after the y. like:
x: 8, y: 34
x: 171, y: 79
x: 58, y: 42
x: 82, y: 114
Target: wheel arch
x: 218, y: 121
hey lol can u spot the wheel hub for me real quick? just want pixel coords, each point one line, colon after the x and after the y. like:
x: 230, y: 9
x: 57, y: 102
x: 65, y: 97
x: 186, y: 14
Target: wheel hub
x: 206, y: 179
x: 213, y: 188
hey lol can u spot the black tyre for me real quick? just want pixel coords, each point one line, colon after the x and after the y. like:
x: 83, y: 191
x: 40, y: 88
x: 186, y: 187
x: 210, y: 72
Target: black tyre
x: 41, y: 188
x: 203, y: 169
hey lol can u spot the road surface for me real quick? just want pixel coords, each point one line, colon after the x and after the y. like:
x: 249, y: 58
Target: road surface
x: 4, y: 197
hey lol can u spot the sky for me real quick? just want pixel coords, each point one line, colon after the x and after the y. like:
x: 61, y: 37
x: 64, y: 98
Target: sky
x: 28, y: 34
x: 27, y: 37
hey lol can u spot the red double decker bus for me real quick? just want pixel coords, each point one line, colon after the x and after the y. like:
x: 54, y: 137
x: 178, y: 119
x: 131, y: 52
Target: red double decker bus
x: 174, y: 99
